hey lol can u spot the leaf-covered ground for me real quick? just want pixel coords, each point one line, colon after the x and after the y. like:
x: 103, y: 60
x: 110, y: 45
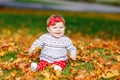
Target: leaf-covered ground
x: 98, y: 55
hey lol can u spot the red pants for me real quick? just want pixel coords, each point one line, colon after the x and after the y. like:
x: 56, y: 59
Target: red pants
x: 42, y: 64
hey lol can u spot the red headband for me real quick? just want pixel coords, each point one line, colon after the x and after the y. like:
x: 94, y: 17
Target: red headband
x: 53, y: 19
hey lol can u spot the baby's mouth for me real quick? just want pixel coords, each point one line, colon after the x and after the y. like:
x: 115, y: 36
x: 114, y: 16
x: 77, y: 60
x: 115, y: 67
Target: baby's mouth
x: 58, y: 33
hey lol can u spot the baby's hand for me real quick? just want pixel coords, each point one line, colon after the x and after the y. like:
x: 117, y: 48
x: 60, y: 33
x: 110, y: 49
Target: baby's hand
x: 35, y: 50
x: 31, y: 52
x: 73, y: 57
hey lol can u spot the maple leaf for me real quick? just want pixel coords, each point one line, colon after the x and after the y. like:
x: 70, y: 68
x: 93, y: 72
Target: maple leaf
x: 46, y: 74
x: 62, y: 77
x: 117, y: 58
x: 4, y: 47
x: 57, y: 73
x: 11, y: 75
x: 81, y: 75
x: 73, y: 70
x: 108, y: 63
x: 110, y: 72
x: 73, y: 64
x: 29, y: 75
x: 3, y: 53
x: 18, y: 78
x: 1, y: 72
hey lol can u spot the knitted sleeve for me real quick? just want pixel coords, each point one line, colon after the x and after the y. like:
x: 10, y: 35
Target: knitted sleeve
x: 71, y: 48
x: 38, y: 43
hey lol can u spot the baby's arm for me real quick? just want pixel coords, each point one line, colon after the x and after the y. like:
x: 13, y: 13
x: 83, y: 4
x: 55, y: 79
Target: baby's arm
x: 37, y: 44
x: 71, y: 48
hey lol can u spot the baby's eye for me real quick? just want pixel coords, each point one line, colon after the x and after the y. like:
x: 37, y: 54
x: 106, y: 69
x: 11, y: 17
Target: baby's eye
x: 54, y: 27
x: 61, y: 27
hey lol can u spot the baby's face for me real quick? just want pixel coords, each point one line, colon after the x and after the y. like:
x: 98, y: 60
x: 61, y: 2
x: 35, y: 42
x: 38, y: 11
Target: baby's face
x: 57, y: 30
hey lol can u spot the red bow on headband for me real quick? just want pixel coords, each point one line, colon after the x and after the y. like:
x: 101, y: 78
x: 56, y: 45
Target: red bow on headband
x: 52, y: 20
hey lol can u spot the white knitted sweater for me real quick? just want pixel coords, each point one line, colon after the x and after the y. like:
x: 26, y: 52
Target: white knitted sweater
x: 54, y: 49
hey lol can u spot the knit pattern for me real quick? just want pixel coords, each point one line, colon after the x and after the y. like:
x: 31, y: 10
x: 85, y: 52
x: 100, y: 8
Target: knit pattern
x: 54, y: 49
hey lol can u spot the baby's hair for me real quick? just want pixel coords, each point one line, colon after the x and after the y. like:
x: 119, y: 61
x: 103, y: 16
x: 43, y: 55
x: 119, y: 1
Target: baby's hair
x: 53, y: 19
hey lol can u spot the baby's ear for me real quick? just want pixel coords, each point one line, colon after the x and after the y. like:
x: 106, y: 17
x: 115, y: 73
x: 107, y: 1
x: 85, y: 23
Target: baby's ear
x: 48, y: 29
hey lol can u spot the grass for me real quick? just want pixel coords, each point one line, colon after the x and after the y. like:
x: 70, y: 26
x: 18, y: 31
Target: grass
x: 85, y: 25
x: 9, y: 56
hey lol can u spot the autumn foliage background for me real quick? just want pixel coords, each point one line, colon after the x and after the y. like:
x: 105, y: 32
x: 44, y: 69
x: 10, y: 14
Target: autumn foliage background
x: 95, y: 35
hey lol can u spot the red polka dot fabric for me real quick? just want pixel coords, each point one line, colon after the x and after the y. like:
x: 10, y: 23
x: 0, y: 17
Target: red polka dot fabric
x: 42, y: 64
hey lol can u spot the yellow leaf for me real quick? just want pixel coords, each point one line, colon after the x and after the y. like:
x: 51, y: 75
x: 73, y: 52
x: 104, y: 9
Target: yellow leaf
x: 118, y: 58
x: 2, y: 53
x: 47, y: 79
x: 1, y: 72
x: 45, y: 74
x: 57, y: 72
x: 109, y: 74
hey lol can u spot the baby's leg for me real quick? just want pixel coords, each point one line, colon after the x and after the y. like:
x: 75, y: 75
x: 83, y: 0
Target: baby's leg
x: 33, y: 66
x: 59, y: 65
x: 41, y: 65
